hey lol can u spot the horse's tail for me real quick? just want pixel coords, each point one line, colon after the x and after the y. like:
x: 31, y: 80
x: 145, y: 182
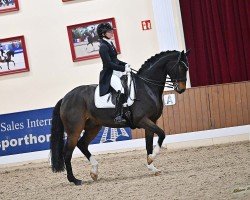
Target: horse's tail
x: 57, y: 140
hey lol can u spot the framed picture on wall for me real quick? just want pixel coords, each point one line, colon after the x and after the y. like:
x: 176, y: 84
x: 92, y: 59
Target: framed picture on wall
x: 13, y: 55
x: 8, y: 6
x: 84, y: 41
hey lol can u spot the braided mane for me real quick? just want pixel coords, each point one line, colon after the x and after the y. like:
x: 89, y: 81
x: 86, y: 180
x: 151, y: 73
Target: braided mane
x: 155, y: 58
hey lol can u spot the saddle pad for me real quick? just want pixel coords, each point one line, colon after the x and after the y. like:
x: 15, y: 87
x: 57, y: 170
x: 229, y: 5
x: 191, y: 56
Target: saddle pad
x: 105, y: 101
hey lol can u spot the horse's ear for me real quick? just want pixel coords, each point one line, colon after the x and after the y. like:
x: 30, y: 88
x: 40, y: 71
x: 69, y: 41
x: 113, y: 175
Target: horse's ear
x: 183, y: 55
x: 188, y: 51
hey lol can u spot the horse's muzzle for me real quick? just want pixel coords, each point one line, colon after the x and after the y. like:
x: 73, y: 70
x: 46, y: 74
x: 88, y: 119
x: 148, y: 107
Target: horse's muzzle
x: 180, y: 91
x: 180, y: 87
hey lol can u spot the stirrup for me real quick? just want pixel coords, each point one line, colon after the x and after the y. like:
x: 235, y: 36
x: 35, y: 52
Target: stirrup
x: 119, y: 120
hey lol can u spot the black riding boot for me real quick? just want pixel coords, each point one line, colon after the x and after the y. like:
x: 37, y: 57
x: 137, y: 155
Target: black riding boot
x: 120, y: 99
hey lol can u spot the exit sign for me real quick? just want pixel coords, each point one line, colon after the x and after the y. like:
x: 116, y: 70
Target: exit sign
x: 146, y: 25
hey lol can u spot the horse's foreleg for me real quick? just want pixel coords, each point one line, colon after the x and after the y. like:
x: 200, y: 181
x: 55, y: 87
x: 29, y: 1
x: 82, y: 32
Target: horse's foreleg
x: 149, y: 136
x: 149, y: 146
x: 153, y: 169
x: 150, y: 126
x: 90, y: 133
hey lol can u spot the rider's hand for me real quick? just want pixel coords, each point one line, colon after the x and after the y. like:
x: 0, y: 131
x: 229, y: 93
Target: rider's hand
x: 127, y: 68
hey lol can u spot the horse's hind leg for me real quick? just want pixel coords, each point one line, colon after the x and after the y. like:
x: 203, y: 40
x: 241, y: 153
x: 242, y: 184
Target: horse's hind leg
x: 73, y: 127
x: 87, y: 46
x: 68, y: 151
x: 91, y: 130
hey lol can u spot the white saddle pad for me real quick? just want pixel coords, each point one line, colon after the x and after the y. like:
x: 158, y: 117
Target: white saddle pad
x: 105, y: 101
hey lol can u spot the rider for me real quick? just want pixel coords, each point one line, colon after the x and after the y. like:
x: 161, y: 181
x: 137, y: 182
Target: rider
x: 3, y: 53
x: 113, y: 69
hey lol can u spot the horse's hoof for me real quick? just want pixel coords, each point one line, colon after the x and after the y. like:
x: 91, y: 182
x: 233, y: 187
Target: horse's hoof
x: 75, y: 181
x: 157, y: 173
x: 93, y: 176
x: 150, y: 159
x: 78, y: 182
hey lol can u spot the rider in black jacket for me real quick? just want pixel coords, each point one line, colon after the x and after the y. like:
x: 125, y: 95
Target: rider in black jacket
x: 112, y: 70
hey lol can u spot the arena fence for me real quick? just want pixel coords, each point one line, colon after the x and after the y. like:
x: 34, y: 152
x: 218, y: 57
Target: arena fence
x: 204, y: 108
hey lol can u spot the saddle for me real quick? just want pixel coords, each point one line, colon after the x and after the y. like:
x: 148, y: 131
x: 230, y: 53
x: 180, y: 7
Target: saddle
x: 113, y: 93
x: 108, y: 100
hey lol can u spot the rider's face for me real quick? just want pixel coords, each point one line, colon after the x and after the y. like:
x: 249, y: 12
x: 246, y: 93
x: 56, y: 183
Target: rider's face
x: 109, y: 34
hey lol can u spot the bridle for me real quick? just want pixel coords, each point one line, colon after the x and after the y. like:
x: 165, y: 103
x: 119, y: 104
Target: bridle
x: 173, y: 83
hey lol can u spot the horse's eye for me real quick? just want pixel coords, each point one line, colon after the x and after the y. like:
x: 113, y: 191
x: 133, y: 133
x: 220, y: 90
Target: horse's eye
x: 183, y: 66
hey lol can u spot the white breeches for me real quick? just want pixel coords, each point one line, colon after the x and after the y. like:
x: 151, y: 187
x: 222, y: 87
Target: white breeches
x: 116, y: 83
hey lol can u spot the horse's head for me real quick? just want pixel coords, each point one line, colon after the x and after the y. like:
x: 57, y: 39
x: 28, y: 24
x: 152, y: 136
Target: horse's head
x: 177, y: 70
x: 173, y: 63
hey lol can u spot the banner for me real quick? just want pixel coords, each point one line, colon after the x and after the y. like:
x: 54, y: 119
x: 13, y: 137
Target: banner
x: 29, y: 131
x: 24, y: 132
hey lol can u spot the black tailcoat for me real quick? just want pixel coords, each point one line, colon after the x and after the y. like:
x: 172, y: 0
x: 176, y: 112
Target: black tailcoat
x: 110, y: 62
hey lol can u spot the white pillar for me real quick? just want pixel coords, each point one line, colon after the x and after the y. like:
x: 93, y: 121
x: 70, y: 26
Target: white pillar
x: 169, y: 26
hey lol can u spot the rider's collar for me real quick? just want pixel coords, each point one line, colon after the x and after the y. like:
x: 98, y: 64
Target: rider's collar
x: 107, y: 40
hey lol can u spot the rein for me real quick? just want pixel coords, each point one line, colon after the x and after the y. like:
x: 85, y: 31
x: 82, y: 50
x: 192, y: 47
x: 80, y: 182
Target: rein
x: 155, y: 82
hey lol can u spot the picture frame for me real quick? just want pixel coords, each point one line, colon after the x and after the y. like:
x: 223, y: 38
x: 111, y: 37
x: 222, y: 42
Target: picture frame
x: 8, y: 6
x: 13, y: 56
x: 84, y: 41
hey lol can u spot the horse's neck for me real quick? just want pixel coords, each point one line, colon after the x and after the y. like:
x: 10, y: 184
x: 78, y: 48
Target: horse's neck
x: 154, y: 73
x: 157, y: 77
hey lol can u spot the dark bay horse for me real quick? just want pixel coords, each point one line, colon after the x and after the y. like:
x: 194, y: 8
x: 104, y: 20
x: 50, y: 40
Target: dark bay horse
x: 8, y: 58
x: 77, y: 112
